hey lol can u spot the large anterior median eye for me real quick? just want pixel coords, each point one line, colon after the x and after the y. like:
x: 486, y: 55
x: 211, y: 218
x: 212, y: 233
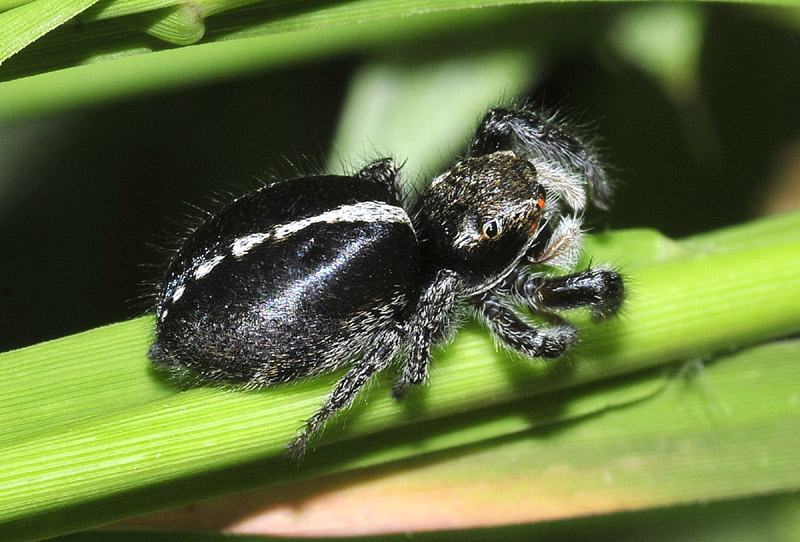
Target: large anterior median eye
x: 492, y: 228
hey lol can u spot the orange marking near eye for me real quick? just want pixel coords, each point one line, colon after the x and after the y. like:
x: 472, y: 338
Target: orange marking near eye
x: 535, y: 225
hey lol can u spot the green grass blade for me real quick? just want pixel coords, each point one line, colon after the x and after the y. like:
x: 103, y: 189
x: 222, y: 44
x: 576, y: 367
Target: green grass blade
x: 131, y: 73
x: 151, y: 447
x: 21, y: 26
x: 179, y: 25
x: 101, y: 60
x: 726, y: 428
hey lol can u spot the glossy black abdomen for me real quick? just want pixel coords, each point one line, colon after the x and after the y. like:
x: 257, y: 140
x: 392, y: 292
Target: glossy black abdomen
x: 292, y: 279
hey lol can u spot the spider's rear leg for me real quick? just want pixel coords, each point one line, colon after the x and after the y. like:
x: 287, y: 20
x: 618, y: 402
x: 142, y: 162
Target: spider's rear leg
x: 382, y: 171
x: 375, y: 359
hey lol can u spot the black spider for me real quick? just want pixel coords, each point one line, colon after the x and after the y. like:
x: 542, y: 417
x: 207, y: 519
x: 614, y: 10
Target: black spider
x: 307, y: 275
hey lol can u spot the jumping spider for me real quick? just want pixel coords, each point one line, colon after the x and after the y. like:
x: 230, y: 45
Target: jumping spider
x: 307, y: 275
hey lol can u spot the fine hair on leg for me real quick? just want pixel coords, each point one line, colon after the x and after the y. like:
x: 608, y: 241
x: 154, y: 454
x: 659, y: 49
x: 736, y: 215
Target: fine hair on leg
x: 375, y: 359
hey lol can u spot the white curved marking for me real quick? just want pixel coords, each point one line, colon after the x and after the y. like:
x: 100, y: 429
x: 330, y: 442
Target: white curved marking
x: 363, y: 211
x: 178, y: 293
x: 241, y: 246
x: 207, y: 266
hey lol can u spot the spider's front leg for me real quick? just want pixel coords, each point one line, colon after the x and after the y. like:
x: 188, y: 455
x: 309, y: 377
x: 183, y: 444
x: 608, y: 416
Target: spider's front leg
x: 430, y: 324
x: 565, y: 162
x: 600, y: 289
x: 504, y: 322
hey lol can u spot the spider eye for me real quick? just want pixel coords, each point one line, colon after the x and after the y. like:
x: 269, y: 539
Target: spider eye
x: 492, y: 228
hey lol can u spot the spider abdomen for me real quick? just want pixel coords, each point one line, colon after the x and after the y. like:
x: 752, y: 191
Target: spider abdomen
x: 292, y: 279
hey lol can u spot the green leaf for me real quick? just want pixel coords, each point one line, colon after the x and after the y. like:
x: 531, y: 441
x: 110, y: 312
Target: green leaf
x: 711, y: 430
x: 21, y: 26
x: 113, y: 66
x: 113, y: 439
